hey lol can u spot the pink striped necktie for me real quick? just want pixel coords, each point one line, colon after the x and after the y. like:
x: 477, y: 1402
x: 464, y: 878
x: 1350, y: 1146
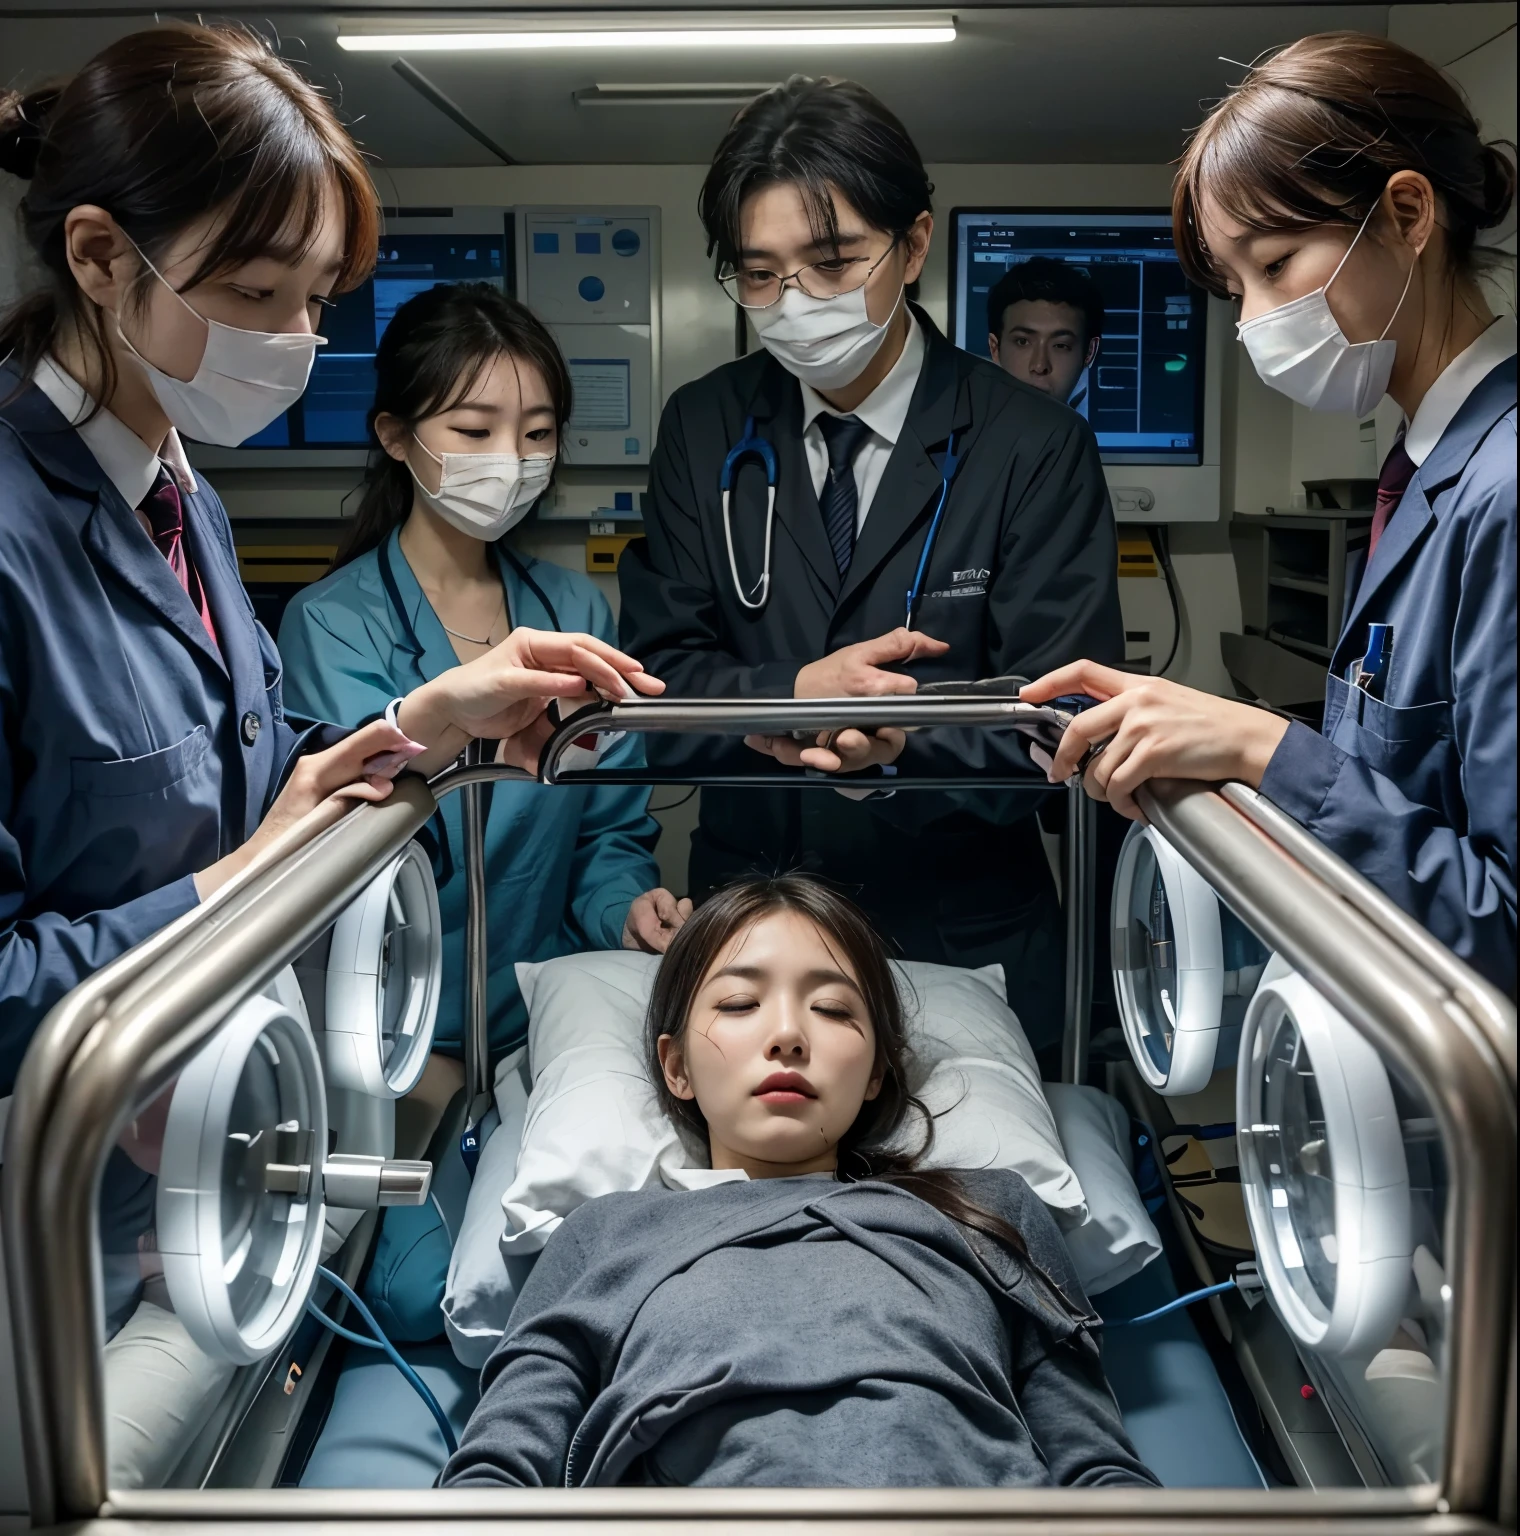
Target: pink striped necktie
x: 166, y: 517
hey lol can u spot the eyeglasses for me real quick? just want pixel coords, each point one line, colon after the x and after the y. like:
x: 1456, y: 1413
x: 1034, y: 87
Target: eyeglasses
x: 757, y: 288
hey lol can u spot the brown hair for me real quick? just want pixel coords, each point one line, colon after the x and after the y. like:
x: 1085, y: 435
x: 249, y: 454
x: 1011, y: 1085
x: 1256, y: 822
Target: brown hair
x: 159, y: 129
x: 866, y: 1150
x: 436, y: 346
x: 1312, y: 136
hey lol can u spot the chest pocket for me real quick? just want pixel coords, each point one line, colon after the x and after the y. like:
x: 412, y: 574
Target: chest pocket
x: 1412, y: 744
x: 126, y: 777
x: 133, y: 824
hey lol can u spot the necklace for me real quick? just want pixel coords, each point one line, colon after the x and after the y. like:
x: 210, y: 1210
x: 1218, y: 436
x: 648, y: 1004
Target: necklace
x: 470, y: 639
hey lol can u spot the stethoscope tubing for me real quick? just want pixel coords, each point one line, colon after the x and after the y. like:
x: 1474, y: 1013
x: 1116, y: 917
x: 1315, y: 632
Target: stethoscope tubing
x: 750, y: 446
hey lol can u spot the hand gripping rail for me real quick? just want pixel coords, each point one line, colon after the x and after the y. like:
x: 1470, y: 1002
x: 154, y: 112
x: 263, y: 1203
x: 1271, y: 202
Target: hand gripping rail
x: 119, y: 1037
x: 774, y: 717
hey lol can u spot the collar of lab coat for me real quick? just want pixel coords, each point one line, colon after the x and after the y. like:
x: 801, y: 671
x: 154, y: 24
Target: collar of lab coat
x: 941, y: 404
x: 1458, y: 380
x: 129, y: 463
x: 1485, y: 406
x: 110, y: 530
x: 421, y: 630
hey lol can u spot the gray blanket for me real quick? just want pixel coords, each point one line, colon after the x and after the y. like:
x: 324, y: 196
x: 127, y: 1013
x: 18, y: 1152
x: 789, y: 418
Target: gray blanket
x: 798, y: 1332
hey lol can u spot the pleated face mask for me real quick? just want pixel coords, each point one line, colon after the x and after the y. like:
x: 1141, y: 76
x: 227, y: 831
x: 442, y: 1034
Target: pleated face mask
x: 1300, y: 350
x: 245, y: 379
x: 485, y: 494
x: 827, y: 343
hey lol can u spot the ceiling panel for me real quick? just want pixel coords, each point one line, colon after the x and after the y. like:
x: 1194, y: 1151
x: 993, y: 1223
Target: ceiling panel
x: 1047, y: 85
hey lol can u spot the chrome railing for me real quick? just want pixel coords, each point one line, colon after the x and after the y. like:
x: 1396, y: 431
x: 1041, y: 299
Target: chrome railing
x: 120, y: 1037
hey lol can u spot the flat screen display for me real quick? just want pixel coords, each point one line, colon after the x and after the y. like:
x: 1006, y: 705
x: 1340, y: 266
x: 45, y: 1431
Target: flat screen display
x: 1144, y: 393
x: 331, y: 413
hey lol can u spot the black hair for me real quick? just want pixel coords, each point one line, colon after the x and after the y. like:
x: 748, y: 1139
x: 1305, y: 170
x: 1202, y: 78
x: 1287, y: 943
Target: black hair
x: 821, y: 136
x: 1050, y: 279
x: 160, y: 129
x: 432, y: 353
x: 869, y: 1149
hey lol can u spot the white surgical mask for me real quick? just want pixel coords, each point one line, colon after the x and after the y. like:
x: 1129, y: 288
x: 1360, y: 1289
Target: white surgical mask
x: 827, y: 343
x: 485, y: 494
x: 1300, y: 350
x: 245, y: 380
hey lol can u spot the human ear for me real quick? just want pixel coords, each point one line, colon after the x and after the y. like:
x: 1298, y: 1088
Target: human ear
x: 393, y: 435
x: 673, y: 1065
x: 94, y: 244
x: 873, y: 1088
x: 1409, y: 202
x: 917, y: 243
x: 1092, y: 351
x: 992, y: 346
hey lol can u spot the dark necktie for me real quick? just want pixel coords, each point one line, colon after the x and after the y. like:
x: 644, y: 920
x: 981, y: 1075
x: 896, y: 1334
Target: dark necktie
x: 166, y: 517
x: 840, y: 502
x: 1398, y: 470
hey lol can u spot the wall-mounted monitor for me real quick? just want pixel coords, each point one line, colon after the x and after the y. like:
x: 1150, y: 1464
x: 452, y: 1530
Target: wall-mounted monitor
x: 1152, y: 393
x: 419, y: 248
x: 592, y: 275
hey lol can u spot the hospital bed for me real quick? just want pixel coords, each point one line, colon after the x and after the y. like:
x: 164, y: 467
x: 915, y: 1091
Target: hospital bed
x: 113, y: 1045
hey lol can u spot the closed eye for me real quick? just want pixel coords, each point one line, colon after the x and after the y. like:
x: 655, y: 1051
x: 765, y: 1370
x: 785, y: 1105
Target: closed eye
x: 478, y: 433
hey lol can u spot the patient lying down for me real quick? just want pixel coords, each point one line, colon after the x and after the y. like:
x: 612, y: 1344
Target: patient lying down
x: 827, y: 1316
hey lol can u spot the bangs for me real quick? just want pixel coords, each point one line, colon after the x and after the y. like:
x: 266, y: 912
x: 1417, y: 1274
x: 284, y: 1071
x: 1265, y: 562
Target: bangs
x: 275, y: 189
x: 1275, y: 159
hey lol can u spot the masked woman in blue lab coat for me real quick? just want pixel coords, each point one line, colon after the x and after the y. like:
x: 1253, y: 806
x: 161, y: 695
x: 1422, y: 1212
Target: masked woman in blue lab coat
x: 471, y: 398
x: 192, y: 202
x: 1337, y: 195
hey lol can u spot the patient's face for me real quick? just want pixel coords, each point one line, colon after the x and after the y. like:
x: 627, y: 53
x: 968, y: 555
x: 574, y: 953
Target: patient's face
x: 779, y: 1051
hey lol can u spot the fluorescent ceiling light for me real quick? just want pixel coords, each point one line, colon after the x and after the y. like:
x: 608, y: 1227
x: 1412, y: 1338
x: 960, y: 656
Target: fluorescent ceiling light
x: 690, y: 95
x: 610, y: 37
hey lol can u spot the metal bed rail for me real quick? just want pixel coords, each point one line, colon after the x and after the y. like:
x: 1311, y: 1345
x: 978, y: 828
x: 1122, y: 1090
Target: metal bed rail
x: 123, y: 1035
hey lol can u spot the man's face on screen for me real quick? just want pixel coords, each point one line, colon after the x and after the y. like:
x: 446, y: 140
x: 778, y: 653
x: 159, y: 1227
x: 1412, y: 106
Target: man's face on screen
x: 1044, y: 344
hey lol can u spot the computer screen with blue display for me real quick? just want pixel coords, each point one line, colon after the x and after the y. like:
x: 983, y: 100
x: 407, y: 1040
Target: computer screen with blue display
x: 331, y: 413
x: 1144, y: 394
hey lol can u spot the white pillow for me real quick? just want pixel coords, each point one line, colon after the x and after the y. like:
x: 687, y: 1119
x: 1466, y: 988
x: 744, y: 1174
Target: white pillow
x: 594, y: 1125
x: 1119, y: 1238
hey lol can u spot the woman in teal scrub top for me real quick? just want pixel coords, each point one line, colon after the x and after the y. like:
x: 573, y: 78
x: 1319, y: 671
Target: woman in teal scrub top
x: 472, y: 395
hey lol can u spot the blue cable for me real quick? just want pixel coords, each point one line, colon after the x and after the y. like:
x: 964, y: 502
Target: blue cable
x: 1171, y: 1306
x: 417, y: 1384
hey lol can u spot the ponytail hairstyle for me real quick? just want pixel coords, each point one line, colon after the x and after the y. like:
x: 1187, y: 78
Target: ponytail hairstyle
x: 868, y: 1150
x: 435, y: 348
x: 1312, y: 136
x: 821, y: 136
x: 160, y: 129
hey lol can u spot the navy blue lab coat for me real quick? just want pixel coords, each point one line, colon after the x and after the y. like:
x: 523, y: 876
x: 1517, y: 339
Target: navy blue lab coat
x: 1416, y: 787
x: 135, y: 752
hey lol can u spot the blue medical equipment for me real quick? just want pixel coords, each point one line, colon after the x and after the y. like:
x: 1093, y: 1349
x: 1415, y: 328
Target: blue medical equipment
x: 947, y: 474
x: 752, y: 446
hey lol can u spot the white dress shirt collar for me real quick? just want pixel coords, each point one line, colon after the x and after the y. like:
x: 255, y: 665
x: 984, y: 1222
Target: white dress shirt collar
x: 885, y: 409
x: 128, y: 463
x: 1458, y: 380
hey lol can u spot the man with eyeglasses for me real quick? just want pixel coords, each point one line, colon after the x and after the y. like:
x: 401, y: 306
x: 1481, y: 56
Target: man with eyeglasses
x: 854, y: 510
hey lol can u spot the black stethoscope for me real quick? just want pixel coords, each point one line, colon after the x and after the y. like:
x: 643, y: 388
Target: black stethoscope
x: 752, y: 446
